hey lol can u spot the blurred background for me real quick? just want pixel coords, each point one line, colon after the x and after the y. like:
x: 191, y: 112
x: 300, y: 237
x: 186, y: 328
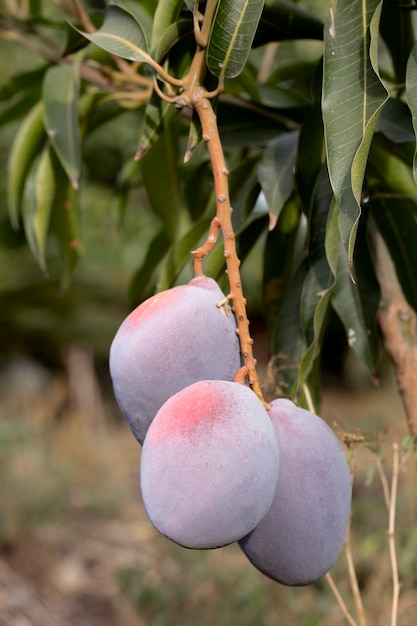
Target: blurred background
x: 75, y: 544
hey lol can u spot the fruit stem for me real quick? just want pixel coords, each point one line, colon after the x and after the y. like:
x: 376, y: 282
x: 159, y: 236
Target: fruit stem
x: 210, y: 133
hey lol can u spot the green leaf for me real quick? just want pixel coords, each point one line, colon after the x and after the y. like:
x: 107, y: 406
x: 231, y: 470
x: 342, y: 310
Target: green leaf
x: 395, y: 121
x: 411, y: 88
x: 173, y: 34
x: 319, y: 281
x: 26, y: 146
x: 309, y: 158
x: 166, y: 13
x: 282, y: 20
x: 388, y: 174
x: 139, y: 286
x: 398, y: 34
x: 61, y: 88
x: 141, y: 15
x: 357, y: 303
x: 65, y: 224
x: 277, y: 171
x: 161, y: 178
x: 195, y: 134
x: 38, y: 202
x: 158, y: 113
x: 278, y: 262
x: 353, y: 96
x: 18, y: 108
x: 22, y: 82
x: 396, y: 220
x: 120, y: 34
x: 243, y: 125
x: 289, y: 343
x: 181, y: 253
x: 231, y: 37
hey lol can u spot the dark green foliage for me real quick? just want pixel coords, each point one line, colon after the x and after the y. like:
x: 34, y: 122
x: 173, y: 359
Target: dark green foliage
x: 315, y: 145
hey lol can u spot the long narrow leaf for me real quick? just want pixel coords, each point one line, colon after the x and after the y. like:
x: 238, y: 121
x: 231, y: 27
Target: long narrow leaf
x: 277, y: 171
x: 61, y: 90
x: 319, y: 281
x: 120, y: 34
x: 27, y: 145
x: 353, y: 96
x: 357, y: 303
x: 38, y: 202
x: 232, y: 35
x: 282, y: 20
x: 411, y: 87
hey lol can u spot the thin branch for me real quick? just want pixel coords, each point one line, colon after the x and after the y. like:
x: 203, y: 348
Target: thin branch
x: 211, y: 136
x: 391, y: 535
x: 340, y: 600
x: 384, y: 482
x: 354, y: 580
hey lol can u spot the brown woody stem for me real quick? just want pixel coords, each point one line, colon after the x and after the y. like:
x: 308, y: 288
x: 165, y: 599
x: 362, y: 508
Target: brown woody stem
x: 224, y: 218
x: 398, y: 324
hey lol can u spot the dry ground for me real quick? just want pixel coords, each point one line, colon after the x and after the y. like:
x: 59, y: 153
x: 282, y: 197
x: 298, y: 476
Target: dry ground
x: 76, y: 548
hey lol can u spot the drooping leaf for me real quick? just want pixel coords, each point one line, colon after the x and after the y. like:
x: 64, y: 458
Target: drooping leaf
x: 356, y: 304
x: 319, y: 281
x: 65, y: 224
x: 120, y: 34
x: 142, y: 279
x: 309, y: 158
x: 243, y: 125
x: 27, y: 144
x: 38, y: 202
x: 278, y: 262
x: 250, y: 234
x: 18, y: 108
x: 161, y: 177
x: 166, y: 13
x: 180, y: 253
x: 398, y: 34
x: 194, y: 137
x: 174, y: 33
x: 388, y: 174
x: 282, y: 20
x: 395, y: 121
x: 61, y: 89
x: 142, y: 15
x: 396, y: 220
x: 245, y: 84
x: 22, y: 82
x: 231, y: 36
x: 353, y: 96
x: 157, y: 116
x: 411, y: 88
x: 277, y: 171
x: 288, y: 340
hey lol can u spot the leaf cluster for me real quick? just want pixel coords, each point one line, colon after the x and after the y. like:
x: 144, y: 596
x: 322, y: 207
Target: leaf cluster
x: 317, y: 119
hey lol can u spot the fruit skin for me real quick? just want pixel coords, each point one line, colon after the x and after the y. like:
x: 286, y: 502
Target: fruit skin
x: 209, y: 465
x: 303, y: 532
x: 173, y: 339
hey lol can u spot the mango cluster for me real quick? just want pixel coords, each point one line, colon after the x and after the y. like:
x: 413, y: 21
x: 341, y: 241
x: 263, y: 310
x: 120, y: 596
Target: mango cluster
x: 216, y: 466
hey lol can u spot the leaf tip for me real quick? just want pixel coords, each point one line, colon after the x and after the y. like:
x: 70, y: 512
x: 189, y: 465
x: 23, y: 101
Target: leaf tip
x: 272, y: 221
x: 140, y: 152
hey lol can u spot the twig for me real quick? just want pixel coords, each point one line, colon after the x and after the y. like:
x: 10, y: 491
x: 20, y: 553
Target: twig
x: 340, y: 600
x: 384, y: 482
x: 211, y: 136
x: 391, y: 535
x: 354, y: 580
